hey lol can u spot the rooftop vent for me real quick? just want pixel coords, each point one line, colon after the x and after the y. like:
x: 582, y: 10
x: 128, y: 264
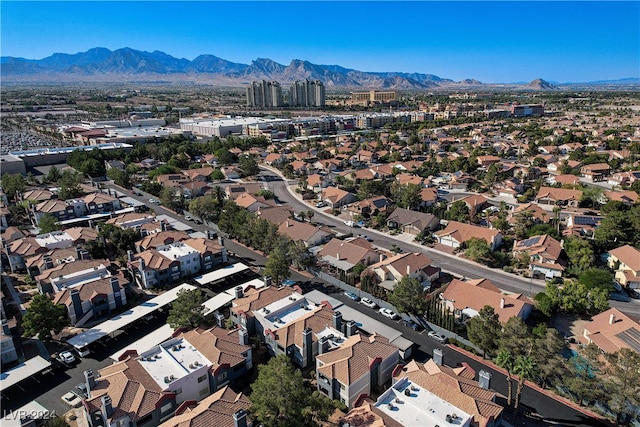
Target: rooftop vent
x: 414, y: 388
x: 407, y: 392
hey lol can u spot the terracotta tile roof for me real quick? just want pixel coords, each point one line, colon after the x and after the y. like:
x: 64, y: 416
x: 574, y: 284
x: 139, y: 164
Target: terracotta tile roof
x: 297, y: 231
x: 73, y: 267
x: 538, y: 213
x: 26, y: 247
x: 203, y: 245
x: 200, y: 172
x: 275, y: 215
x: 91, y: 289
x: 291, y: 333
x: 218, y: 345
x: 625, y: 196
x: 353, y: 359
x: 544, y: 247
x: 612, y: 330
x: 462, y: 232
x: 334, y: 194
x: 245, y: 200
x: 343, y: 250
x: 37, y: 195
x: 162, y: 238
x: 566, y: 179
x: 214, y: 410
x: 55, y: 254
x: 315, y: 179
x: 132, y: 390
x: 559, y: 194
x: 153, y: 260
x: 255, y: 299
x: 49, y: 206
x: 84, y: 234
x: 628, y: 255
x: 98, y: 198
x: 469, y: 295
x: 461, y: 392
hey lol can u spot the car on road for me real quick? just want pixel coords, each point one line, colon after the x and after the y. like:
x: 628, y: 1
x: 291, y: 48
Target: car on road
x: 352, y: 296
x: 188, y: 217
x: 367, y: 238
x: 368, y: 303
x: 72, y: 399
x: 351, y: 223
x: 412, y: 324
x: 67, y: 357
x: 154, y: 201
x: 436, y: 336
x: 388, y: 313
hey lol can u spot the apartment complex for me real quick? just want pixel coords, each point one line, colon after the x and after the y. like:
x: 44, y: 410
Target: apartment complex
x: 264, y: 94
x: 307, y: 94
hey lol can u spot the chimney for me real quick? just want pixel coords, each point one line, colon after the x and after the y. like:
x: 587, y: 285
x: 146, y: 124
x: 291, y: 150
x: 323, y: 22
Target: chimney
x: 107, y: 408
x: 437, y: 356
x: 338, y: 256
x: 240, y: 418
x: 351, y: 328
x: 243, y: 336
x: 115, y: 284
x: 484, y: 379
x: 78, y: 253
x: 90, y: 379
x: 408, y: 270
x: 239, y: 292
x: 612, y: 319
x: 221, y: 240
x: 163, y: 226
x: 501, y: 302
x: 219, y: 318
x: 337, y: 320
x: 5, y: 327
x: 307, y: 346
x: 267, y: 280
x: 130, y: 255
x: 77, y: 303
x: 141, y: 264
x: 48, y: 262
x: 84, y: 254
x: 323, y: 345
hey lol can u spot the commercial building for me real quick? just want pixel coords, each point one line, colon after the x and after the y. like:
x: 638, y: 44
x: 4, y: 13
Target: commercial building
x: 373, y: 97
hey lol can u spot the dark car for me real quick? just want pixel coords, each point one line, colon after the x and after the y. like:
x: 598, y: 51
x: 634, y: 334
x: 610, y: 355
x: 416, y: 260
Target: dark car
x: 82, y: 390
x: 413, y: 325
x: 632, y: 293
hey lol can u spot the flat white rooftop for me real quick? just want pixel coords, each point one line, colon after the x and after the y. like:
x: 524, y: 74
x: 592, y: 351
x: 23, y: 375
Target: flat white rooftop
x: 94, y: 216
x: 285, y: 310
x: 419, y: 407
x: 23, y: 371
x: 124, y: 319
x: 145, y: 343
x: 217, y: 302
x: 221, y: 273
x: 256, y: 283
x: 172, y: 360
x: 33, y: 409
x: 56, y: 238
x: 176, y: 250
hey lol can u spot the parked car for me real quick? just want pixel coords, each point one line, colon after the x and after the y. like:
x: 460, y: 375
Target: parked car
x: 352, y: 296
x: 321, y: 205
x: 154, y: 201
x: 67, y: 357
x: 82, y: 389
x: 72, y: 400
x: 367, y: 238
x: 632, y: 293
x: 368, y: 303
x: 388, y: 313
x: 188, y: 217
x: 289, y: 282
x: 350, y: 223
x: 413, y: 325
x: 436, y: 336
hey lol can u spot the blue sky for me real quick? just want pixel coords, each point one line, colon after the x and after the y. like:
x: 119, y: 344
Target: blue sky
x: 499, y: 41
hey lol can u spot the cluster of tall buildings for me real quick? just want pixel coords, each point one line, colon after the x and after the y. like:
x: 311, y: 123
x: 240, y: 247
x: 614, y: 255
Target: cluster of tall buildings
x: 307, y: 93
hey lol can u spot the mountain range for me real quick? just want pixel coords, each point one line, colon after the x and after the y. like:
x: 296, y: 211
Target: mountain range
x: 128, y: 65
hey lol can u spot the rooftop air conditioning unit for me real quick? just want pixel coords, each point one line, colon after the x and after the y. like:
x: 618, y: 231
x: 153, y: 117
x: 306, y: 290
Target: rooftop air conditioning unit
x: 191, y: 366
x: 157, y: 356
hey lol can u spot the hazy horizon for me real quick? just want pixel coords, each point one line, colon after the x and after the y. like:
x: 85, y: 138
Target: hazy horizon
x: 493, y: 42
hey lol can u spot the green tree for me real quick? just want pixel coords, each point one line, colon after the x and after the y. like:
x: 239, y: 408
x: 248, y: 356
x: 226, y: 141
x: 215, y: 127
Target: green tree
x: 410, y: 197
x: 12, y: 184
x: 581, y: 378
x: 224, y: 156
x: 458, y: 211
x: 491, y: 176
x: 92, y: 167
x: 43, y: 317
x: 206, y: 207
x: 409, y: 296
x: 483, y: 330
x: 280, y: 398
x: 524, y: 367
x: 48, y: 223
x: 119, y: 177
x: 594, y: 278
x: 478, y: 250
x: 187, y: 310
x: 299, y: 255
x: 505, y: 360
x: 623, y: 384
x: 523, y: 223
x: 617, y: 229
x: 53, y: 175
x: 69, y: 185
x: 515, y: 337
x: 547, y: 354
x: 580, y: 252
x: 216, y: 174
x: 277, y: 266
x: 248, y: 165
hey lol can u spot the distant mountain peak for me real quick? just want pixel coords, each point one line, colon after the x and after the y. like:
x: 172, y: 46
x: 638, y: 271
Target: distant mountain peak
x: 540, y: 84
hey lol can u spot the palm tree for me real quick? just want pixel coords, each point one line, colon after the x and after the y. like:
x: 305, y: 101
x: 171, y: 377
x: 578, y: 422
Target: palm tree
x: 524, y: 368
x: 505, y: 360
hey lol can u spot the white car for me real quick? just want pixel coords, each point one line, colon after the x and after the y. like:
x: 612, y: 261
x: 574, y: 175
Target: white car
x: 388, y: 313
x: 437, y: 337
x: 350, y: 224
x: 67, y: 357
x: 367, y: 302
x: 72, y: 399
